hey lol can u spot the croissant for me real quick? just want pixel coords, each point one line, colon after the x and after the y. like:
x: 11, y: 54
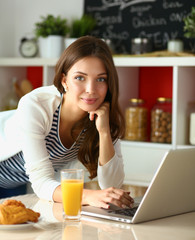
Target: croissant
x: 15, y: 212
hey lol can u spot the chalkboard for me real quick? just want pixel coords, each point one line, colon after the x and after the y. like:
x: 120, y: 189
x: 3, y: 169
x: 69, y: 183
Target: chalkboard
x: 122, y: 20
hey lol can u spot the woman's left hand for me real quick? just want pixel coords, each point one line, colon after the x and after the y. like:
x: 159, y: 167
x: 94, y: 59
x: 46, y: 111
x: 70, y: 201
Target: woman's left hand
x: 102, y: 198
x: 101, y: 116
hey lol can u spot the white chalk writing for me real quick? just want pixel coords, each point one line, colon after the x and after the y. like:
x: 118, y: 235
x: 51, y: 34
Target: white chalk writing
x: 110, y: 34
x: 159, y: 20
x: 140, y: 9
x: 122, y: 4
x: 177, y: 17
x: 173, y: 4
x: 160, y: 38
x: 148, y: 22
x: 102, y: 20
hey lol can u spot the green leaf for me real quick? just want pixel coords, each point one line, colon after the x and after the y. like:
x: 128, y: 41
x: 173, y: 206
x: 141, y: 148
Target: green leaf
x: 189, y: 24
x: 83, y: 26
x: 50, y: 25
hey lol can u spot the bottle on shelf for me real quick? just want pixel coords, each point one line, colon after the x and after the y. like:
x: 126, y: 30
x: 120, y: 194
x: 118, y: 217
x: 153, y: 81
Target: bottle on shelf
x: 191, y: 122
x: 161, y: 121
x: 10, y: 101
x: 192, y: 128
x: 136, y: 120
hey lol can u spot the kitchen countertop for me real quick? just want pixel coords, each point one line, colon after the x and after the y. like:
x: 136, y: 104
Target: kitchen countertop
x: 51, y: 226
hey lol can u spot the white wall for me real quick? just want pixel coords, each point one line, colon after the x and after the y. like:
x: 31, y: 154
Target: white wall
x: 18, y: 18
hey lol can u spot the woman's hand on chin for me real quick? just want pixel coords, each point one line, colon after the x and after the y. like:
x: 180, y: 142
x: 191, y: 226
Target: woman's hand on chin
x: 101, y: 117
x: 102, y: 198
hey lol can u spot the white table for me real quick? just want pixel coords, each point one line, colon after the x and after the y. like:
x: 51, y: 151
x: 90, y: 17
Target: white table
x: 52, y: 227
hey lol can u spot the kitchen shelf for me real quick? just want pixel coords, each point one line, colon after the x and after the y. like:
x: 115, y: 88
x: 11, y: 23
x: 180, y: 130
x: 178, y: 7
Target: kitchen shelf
x: 146, y: 145
x: 120, y: 61
x: 154, y: 61
x: 141, y: 159
x: 25, y: 62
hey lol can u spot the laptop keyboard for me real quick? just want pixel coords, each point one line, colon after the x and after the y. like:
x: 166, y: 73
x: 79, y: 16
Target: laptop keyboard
x: 127, y: 211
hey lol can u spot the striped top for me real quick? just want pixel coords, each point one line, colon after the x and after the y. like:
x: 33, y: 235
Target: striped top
x: 58, y: 153
x: 12, y: 170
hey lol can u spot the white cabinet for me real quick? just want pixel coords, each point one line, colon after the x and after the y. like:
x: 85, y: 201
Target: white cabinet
x: 141, y: 158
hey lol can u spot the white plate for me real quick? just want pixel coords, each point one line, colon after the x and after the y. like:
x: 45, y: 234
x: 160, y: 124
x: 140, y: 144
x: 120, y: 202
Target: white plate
x: 16, y: 226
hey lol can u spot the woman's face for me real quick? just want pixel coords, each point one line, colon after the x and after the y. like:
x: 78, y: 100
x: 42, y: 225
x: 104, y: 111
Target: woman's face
x: 86, y: 84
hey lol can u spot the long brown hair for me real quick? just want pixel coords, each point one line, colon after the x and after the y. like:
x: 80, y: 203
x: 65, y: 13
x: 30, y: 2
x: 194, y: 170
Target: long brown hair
x: 83, y: 47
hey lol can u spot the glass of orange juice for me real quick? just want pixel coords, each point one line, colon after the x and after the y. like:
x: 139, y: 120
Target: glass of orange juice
x: 72, y: 190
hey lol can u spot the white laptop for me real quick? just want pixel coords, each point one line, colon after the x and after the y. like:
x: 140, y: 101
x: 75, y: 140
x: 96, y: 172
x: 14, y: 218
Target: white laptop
x: 171, y: 192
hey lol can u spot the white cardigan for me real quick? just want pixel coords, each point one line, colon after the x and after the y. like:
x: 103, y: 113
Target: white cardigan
x: 25, y: 130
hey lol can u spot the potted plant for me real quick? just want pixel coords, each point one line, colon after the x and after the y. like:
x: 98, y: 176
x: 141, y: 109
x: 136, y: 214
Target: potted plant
x: 189, y: 28
x: 50, y: 32
x: 80, y: 27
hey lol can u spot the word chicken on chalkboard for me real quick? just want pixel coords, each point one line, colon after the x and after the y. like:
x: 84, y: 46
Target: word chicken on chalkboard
x: 123, y: 20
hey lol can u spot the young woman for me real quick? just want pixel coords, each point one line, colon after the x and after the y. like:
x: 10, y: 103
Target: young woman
x: 76, y: 120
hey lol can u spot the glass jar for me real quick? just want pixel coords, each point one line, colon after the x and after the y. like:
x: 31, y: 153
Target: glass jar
x: 161, y: 121
x: 10, y: 101
x: 141, y: 45
x: 136, y: 120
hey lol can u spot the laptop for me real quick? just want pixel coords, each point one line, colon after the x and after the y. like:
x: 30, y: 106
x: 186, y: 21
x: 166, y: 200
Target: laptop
x: 171, y: 192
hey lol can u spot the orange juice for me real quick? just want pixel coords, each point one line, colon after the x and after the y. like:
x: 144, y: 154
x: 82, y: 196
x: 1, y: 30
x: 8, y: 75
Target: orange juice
x: 72, y: 190
x: 72, y: 232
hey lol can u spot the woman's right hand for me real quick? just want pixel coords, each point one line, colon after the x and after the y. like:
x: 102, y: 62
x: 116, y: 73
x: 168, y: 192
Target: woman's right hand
x: 102, y: 198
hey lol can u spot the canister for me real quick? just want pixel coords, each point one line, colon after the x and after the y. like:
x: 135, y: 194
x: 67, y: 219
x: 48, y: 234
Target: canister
x: 161, y: 121
x: 175, y: 45
x: 141, y: 45
x: 136, y: 120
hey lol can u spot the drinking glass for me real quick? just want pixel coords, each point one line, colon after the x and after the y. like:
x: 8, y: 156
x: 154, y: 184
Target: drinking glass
x: 72, y: 230
x: 72, y: 190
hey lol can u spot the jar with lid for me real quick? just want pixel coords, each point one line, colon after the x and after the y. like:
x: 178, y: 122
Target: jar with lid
x: 161, y: 121
x: 141, y: 45
x: 136, y: 120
